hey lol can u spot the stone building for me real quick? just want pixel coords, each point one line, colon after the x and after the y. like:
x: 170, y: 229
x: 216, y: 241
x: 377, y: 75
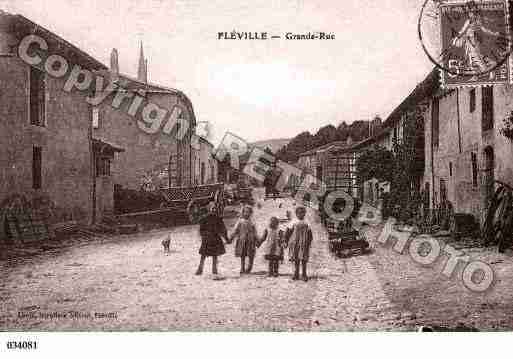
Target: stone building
x: 205, y: 162
x: 311, y: 161
x: 152, y: 149
x: 393, y: 131
x: 465, y: 151
x: 369, y: 190
x: 46, y: 147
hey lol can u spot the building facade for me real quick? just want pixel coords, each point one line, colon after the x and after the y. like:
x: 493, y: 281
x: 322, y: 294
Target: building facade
x: 465, y: 151
x: 153, y: 154
x: 311, y: 161
x: 205, y: 163
x: 46, y: 148
x: 394, y: 131
x: 369, y: 191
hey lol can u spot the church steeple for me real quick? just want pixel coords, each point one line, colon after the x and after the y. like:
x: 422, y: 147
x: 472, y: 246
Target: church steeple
x: 142, y: 71
x: 114, y: 65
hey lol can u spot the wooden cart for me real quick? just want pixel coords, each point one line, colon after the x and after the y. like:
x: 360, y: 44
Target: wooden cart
x: 193, y: 201
x: 344, y: 240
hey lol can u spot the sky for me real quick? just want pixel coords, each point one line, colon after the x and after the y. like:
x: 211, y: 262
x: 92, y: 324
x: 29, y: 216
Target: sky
x: 255, y: 89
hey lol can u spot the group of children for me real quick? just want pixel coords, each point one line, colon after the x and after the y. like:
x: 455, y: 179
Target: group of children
x: 297, y: 238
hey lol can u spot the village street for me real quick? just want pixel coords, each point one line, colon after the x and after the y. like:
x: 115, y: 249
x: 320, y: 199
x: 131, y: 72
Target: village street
x: 130, y: 276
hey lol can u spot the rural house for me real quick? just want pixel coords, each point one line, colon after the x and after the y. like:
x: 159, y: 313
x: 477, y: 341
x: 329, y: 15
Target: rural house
x: 155, y: 158
x: 46, y: 147
x: 465, y: 152
x: 205, y: 162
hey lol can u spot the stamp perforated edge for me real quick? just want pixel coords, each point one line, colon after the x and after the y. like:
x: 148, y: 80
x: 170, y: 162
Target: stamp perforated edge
x: 509, y: 62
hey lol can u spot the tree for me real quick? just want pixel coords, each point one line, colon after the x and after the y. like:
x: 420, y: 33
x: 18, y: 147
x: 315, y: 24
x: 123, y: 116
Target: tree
x: 376, y: 162
x: 409, y: 165
x: 299, y: 144
x: 401, y: 167
x: 305, y: 141
x: 325, y: 135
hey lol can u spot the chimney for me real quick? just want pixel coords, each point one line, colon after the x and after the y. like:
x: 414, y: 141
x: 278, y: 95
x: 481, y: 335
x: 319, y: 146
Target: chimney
x: 142, y: 71
x: 114, y: 65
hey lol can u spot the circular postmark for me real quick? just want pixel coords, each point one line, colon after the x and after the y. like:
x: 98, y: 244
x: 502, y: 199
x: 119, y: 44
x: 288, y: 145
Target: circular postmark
x: 469, y: 41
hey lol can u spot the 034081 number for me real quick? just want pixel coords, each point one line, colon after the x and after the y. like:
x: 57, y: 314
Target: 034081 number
x: 22, y: 345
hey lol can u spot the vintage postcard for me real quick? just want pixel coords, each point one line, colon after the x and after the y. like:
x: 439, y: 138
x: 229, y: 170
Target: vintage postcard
x: 255, y: 166
x: 475, y: 43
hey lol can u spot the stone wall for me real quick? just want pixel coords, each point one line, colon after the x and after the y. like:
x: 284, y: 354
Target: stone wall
x: 144, y: 152
x: 65, y: 141
x: 457, y: 146
x: 203, y: 154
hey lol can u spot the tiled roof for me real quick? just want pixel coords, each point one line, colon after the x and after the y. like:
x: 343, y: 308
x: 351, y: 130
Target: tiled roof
x: 24, y: 26
x: 429, y: 86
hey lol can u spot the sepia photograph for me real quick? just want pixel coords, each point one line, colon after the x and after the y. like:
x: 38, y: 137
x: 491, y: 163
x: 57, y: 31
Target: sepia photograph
x: 226, y: 167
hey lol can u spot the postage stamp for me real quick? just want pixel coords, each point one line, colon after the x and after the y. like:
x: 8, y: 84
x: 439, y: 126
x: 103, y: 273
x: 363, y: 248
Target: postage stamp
x: 475, y: 43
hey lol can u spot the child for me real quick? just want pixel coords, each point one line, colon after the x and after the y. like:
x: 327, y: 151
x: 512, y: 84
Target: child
x: 273, y: 246
x: 212, y: 230
x: 245, y: 246
x: 299, y: 239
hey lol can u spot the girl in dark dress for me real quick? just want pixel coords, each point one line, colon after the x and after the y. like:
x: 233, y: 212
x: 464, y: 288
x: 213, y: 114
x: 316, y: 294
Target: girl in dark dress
x: 212, y: 230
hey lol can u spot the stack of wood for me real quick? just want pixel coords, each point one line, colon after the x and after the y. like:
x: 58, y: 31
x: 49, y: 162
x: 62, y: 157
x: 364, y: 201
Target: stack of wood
x: 23, y: 223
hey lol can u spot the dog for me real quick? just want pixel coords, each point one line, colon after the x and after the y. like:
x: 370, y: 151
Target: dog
x: 165, y: 243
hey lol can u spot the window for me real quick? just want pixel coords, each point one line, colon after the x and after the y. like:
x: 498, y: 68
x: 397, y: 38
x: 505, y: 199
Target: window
x: 37, y: 97
x: 473, y: 159
x: 96, y: 117
x: 37, y: 159
x: 102, y: 167
x: 427, y: 194
x: 435, y: 113
x: 319, y: 172
x: 472, y: 100
x: 450, y: 169
x: 487, y: 108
